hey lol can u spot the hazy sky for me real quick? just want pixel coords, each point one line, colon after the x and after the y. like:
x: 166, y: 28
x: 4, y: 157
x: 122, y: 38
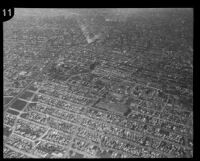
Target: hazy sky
x: 40, y: 12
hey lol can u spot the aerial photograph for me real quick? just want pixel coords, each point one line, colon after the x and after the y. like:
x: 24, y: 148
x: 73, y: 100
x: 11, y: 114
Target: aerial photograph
x: 98, y: 83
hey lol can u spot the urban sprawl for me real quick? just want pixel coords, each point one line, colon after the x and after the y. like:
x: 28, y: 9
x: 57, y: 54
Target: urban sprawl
x: 99, y: 85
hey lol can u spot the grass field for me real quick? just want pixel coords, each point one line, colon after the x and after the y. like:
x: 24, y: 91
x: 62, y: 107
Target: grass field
x: 19, y: 104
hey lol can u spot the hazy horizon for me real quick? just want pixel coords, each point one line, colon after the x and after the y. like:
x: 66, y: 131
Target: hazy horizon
x: 50, y: 12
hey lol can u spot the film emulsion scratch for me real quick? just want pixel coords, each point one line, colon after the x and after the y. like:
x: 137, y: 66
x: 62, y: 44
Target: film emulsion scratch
x: 98, y: 83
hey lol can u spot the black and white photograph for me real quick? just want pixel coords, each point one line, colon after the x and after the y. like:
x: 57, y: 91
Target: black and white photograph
x: 98, y: 83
